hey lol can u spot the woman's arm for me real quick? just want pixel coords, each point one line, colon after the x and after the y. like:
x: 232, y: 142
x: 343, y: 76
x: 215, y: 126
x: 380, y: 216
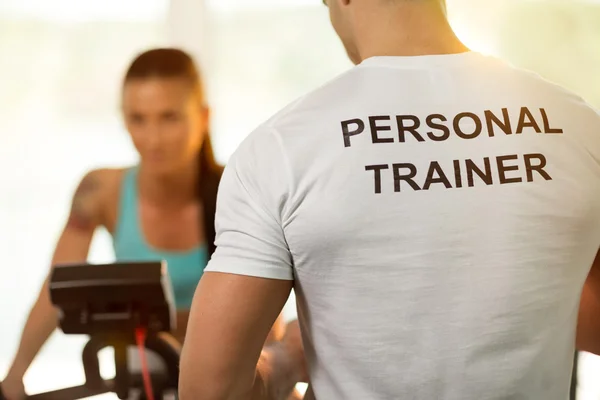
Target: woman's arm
x: 282, y: 364
x: 73, y: 246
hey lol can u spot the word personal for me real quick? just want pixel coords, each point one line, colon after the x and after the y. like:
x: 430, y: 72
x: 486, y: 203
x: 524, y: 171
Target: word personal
x: 438, y: 128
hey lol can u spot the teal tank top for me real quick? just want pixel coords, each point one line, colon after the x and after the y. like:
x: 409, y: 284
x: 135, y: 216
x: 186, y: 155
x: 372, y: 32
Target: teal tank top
x: 185, y: 267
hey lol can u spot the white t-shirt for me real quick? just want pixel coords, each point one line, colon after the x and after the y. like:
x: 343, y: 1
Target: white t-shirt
x: 439, y: 216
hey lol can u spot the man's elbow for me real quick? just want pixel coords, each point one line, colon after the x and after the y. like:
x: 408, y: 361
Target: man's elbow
x: 588, y: 338
x: 201, y: 393
x: 196, y: 385
x: 203, y: 380
x: 588, y: 324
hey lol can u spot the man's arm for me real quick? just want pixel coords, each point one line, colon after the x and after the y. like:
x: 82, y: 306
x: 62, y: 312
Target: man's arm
x: 247, y: 280
x: 588, y: 325
x: 231, y: 317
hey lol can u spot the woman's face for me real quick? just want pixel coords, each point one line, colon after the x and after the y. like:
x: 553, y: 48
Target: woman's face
x: 166, y: 121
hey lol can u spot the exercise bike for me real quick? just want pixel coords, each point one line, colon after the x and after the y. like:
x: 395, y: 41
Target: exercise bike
x: 118, y: 305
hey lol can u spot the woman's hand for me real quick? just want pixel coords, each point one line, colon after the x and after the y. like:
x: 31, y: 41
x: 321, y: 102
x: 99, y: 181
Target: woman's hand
x: 13, y: 389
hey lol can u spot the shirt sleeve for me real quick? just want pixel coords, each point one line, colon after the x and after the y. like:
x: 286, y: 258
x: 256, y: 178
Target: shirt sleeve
x: 252, y: 197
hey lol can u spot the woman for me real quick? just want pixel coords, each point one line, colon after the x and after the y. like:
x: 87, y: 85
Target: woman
x: 152, y: 209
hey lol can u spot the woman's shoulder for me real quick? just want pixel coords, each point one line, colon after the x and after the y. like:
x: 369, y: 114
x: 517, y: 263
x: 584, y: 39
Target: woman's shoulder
x: 107, y: 182
x: 107, y: 178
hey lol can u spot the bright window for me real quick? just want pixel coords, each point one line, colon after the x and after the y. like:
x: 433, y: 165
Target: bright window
x: 61, y: 67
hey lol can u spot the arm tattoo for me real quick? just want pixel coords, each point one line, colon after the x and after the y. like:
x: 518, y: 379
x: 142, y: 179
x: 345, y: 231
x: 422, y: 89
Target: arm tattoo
x: 80, y: 217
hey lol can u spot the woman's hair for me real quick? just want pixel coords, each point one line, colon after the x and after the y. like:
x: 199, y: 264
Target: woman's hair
x: 175, y: 63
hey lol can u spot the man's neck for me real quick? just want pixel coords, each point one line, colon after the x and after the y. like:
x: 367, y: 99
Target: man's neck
x: 411, y: 28
x: 170, y: 190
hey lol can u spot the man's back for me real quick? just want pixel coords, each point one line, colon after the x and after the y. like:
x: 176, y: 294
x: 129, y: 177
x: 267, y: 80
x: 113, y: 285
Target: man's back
x: 441, y: 214
x: 435, y: 211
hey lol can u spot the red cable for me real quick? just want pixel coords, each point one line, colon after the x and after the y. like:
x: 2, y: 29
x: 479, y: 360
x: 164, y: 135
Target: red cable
x: 140, y: 338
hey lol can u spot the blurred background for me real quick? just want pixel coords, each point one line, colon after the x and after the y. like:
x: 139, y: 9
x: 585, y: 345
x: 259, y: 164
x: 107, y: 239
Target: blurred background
x: 61, y: 67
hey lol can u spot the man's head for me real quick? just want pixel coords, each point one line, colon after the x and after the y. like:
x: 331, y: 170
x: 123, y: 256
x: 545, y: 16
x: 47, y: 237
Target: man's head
x: 354, y: 20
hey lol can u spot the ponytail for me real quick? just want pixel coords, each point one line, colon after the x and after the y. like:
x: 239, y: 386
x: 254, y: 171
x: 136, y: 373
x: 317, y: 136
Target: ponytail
x: 208, y: 185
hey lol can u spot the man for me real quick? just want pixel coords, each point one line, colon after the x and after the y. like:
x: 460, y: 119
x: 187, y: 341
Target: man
x: 436, y: 212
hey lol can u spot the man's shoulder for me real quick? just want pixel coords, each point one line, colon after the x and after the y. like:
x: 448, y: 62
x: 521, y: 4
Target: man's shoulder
x: 541, y: 86
x: 523, y: 85
x: 269, y: 136
x: 572, y: 104
x: 314, y: 101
